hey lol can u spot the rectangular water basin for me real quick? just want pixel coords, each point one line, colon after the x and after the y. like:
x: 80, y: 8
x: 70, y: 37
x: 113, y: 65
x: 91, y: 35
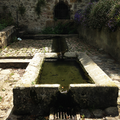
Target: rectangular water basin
x: 30, y: 98
x: 63, y: 72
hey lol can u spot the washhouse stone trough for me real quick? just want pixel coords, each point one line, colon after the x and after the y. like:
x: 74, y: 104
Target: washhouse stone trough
x: 32, y: 98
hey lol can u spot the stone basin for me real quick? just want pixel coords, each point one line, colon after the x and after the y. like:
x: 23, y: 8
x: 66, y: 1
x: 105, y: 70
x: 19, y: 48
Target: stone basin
x: 31, y: 98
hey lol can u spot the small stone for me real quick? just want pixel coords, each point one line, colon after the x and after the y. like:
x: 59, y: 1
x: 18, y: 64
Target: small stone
x: 98, y: 113
x: 113, y: 111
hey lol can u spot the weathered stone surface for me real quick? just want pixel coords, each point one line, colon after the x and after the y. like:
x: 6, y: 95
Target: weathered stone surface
x: 113, y: 111
x: 70, y: 54
x: 49, y: 23
x: 5, y: 72
x: 90, y: 97
x: 98, y: 113
x: 73, y: 1
x: 96, y: 73
x: 32, y: 70
x: 86, y: 112
x: 33, y: 100
x: 5, y: 36
x: 102, y: 39
x: 30, y: 17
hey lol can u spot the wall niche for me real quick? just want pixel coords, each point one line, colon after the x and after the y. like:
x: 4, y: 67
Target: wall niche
x: 61, y: 11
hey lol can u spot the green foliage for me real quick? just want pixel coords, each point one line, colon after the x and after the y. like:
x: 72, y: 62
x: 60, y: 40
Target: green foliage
x: 0, y: 98
x: 39, y: 4
x: 114, y: 16
x: 2, y: 26
x: 99, y: 13
x: 21, y: 10
x: 66, y: 28
x: 33, y: 83
x: 5, y: 20
x: 83, y: 116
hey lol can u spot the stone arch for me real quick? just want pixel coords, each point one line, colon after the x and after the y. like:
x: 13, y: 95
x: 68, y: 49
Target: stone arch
x: 61, y: 11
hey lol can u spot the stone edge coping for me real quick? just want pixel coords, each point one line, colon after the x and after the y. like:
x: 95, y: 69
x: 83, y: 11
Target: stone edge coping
x: 7, y: 29
x: 14, y: 61
x: 17, y: 57
x: 32, y: 71
x: 53, y: 35
x: 94, y: 71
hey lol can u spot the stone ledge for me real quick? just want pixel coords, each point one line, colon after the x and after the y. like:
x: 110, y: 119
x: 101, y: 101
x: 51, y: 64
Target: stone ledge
x: 94, y: 71
x: 15, y: 60
x: 6, y: 35
x: 33, y: 69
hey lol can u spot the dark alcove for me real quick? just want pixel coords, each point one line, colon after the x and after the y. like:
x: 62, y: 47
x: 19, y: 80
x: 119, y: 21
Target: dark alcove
x: 61, y: 11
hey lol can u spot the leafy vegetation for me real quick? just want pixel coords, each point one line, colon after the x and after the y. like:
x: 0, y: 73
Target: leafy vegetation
x: 66, y: 28
x: 5, y: 20
x: 0, y: 98
x: 99, y: 14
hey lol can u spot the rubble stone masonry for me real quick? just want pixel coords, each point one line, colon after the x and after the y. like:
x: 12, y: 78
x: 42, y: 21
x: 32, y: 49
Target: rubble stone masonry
x: 30, y: 20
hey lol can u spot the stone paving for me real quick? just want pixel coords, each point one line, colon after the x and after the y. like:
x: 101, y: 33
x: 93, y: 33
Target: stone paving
x: 30, y: 47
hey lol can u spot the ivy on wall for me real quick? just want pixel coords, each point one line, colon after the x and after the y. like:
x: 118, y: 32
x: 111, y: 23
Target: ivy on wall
x: 39, y: 4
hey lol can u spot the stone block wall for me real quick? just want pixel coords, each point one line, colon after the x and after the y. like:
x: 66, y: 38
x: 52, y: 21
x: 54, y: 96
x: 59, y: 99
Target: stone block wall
x: 39, y: 100
x: 30, y: 20
x: 6, y: 36
x: 108, y: 41
x: 33, y: 100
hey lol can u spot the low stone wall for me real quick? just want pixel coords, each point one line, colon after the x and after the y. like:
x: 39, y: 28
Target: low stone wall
x: 31, y: 98
x: 108, y: 41
x: 6, y: 36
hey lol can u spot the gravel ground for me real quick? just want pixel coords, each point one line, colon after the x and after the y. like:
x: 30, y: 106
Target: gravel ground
x: 29, y: 48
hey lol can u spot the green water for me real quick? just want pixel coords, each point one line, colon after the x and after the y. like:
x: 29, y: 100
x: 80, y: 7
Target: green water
x: 62, y: 72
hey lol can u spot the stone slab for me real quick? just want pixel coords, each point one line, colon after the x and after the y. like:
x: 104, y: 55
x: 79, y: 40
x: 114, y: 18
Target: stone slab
x: 14, y: 60
x: 94, y: 71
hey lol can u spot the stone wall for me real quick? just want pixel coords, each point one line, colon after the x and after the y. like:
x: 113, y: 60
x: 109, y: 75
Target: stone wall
x: 6, y: 35
x: 102, y: 39
x: 30, y: 20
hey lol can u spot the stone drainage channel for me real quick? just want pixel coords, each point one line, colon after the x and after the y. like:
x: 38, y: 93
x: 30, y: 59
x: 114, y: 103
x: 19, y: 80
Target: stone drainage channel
x: 32, y: 98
